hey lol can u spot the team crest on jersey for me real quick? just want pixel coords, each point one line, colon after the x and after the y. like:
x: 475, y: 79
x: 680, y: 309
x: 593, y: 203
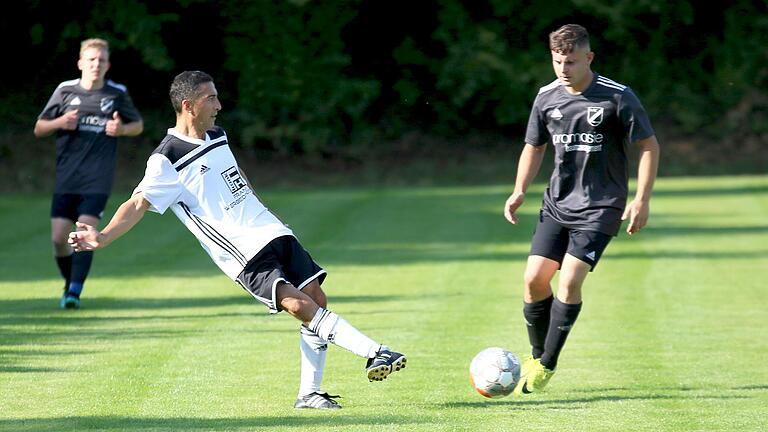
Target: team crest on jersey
x: 595, y: 115
x: 233, y: 179
x: 106, y: 105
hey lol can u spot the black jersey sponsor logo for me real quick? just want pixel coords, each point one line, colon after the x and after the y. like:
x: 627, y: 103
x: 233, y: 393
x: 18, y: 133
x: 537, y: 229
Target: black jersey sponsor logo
x: 586, y: 141
x: 92, y: 123
x: 75, y: 102
x: 106, y: 105
x: 595, y: 115
x: 577, y: 138
x: 204, y: 169
x: 233, y: 179
x: 556, y: 114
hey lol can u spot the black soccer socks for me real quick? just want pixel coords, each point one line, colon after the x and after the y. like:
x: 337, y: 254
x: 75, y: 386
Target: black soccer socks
x: 563, y: 316
x: 537, y: 316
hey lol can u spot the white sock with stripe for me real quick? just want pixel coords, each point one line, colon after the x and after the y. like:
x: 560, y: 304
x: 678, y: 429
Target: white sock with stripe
x: 313, y: 353
x: 338, y: 331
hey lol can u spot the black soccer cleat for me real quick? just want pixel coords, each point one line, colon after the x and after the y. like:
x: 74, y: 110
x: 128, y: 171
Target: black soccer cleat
x: 317, y: 400
x: 385, y: 362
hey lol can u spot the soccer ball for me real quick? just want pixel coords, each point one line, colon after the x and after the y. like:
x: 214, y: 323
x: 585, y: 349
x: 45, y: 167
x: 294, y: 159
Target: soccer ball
x: 494, y: 372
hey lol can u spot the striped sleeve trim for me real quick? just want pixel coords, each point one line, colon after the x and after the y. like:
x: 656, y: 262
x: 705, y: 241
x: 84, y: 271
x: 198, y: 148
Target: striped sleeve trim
x: 118, y: 86
x: 181, y: 166
x: 549, y: 86
x: 605, y: 82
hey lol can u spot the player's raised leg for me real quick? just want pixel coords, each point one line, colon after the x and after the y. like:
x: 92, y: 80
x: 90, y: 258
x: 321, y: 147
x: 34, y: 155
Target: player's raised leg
x: 332, y: 328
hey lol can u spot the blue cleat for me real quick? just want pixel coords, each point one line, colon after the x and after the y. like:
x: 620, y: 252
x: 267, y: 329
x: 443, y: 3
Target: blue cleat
x: 71, y: 302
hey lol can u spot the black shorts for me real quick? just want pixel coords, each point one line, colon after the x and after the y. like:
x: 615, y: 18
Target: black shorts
x: 71, y: 206
x: 281, y: 260
x: 552, y: 240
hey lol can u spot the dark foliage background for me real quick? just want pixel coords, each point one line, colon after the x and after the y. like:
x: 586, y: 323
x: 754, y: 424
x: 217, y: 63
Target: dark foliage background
x: 358, y: 80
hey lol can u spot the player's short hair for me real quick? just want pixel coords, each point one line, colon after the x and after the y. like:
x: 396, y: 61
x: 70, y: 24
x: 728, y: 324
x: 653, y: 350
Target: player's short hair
x: 185, y: 86
x: 567, y: 38
x: 94, y: 43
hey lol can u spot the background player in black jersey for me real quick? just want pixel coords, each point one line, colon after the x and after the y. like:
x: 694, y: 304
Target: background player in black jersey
x: 87, y: 115
x: 194, y: 173
x: 589, y: 119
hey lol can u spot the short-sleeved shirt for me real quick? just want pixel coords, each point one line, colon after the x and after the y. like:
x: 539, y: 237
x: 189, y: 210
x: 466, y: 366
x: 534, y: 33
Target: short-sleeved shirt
x: 590, y: 132
x: 86, y: 156
x: 199, y: 180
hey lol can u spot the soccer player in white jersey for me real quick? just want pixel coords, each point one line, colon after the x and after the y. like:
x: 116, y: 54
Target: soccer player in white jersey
x: 194, y: 173
x: 590, y: 120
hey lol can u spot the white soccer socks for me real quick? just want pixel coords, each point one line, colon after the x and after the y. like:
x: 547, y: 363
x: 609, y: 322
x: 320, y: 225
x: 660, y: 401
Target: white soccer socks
x: 313, y: 353
x: 338, y: 331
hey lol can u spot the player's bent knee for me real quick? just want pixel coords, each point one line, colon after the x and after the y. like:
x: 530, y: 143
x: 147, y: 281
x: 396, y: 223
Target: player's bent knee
x: 535, y: 281
x: 295, y: 302
x: 316, y: 293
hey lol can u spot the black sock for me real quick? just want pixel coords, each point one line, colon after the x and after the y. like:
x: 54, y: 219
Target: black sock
x: 65, y: 268
x: 537, y: 322
x: 81, y: 265
x: 562, y: 320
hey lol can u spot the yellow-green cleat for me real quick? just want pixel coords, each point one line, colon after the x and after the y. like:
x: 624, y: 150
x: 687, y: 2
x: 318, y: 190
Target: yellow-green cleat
x: 533, y: 377
x: 527, y: 366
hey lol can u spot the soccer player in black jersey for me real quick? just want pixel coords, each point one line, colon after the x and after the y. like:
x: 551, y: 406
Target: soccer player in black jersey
x: 87, y: 115
x: 194, y: 173
x: 590, y: 120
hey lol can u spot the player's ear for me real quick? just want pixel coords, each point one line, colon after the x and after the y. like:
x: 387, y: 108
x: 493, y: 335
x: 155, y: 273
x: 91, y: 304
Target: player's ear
x: 186, y: 106
x: 590, y: 57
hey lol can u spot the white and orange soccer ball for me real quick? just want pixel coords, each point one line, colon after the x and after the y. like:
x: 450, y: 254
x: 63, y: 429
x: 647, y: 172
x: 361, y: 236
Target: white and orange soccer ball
x: 494, y: 372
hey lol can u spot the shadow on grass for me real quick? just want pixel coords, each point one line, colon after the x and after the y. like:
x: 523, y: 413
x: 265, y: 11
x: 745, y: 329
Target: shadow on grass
x: 48, y: 308
x: 24, y: 369
x: 683, y: 255
x: 623, y: 395
x: 120, y: 423
x: 711, y: 189
x: 668, y: 230
x: 39, y: 322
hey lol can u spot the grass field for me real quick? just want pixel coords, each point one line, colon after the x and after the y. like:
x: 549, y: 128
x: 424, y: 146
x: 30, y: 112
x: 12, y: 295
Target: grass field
x: 672, y: 336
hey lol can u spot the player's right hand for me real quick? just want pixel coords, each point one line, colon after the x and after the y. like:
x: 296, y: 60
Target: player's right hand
x: 69, y: 120
x: 510, y: 207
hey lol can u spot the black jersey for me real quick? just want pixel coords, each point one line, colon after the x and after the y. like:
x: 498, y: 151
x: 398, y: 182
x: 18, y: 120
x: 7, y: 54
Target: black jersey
x: 86, y: 157
x: 590, y: 132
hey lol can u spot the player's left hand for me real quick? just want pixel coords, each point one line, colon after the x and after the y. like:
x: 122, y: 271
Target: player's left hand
x: 114, y: 127
x: 86, y: 238
x: 637, y: 212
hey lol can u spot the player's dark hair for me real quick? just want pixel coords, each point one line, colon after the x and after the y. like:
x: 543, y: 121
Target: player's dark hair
x: 185, y: 85
x: 567, y: 38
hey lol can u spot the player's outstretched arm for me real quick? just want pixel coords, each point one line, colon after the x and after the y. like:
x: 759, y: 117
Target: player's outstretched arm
x: 639, y: 208
x: 527, y: 168
x: 88, y: 238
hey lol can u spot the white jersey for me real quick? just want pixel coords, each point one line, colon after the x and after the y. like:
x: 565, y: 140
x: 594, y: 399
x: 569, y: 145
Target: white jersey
x: 201, y: 182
